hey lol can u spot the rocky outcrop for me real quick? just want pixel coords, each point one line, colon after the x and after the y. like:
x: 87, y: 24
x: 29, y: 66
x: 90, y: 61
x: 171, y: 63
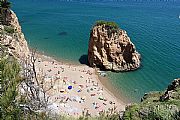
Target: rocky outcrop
x: 110, y: 48
x: 171, y: 92
x: 162, y: 105
x: 13, y: 39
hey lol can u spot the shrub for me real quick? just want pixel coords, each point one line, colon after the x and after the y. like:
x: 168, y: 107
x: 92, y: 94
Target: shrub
x: 110, y: 24
x: 111, y: 27
x: 9, y: 80
x: 9, y: 29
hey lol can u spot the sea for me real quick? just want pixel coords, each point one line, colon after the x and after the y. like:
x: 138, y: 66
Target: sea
x: 61, y: 29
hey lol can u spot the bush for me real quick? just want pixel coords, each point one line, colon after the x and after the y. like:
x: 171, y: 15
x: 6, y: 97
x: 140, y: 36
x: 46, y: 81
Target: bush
x: 111, y: 27
x: 9, y: 29
x: 9, y: 80
x: 110, y: 24
x: 131, y: 112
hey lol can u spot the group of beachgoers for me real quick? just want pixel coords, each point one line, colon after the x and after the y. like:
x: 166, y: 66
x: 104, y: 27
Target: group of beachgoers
x: 76, y: 90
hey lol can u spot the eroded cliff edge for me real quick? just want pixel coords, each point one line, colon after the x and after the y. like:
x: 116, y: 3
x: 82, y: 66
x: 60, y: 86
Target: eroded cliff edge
x: 12, y: 37
x: 110, y: 48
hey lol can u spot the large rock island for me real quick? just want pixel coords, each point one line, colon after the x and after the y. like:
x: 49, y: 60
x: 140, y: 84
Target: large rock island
x: 110, y: 48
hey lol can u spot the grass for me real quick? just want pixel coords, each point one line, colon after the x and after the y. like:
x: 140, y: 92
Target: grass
x: 9, y: 29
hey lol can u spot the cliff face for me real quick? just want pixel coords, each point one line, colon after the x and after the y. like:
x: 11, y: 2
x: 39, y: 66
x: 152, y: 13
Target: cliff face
x: 112, y: 49
x: 163, y: 105
x: 13, y: 39
x: 172, y: 91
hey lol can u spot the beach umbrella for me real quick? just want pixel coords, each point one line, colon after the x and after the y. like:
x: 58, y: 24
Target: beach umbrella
x: 70, y: 87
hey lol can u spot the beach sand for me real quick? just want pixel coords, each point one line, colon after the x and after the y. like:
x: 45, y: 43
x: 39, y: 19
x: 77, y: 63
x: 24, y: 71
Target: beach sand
x: 75, y: 89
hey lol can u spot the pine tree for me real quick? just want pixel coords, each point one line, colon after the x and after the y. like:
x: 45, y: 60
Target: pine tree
x: 9, y: 80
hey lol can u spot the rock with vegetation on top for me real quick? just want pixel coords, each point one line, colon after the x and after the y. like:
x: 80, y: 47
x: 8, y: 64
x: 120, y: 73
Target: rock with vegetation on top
x: 163, y: 105
x: 171, y: 92
x: 110, y: 48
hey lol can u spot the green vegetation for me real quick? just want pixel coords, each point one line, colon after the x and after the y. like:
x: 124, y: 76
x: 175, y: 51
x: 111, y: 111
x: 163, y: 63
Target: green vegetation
x: 11, y: 102
x: 153, y: 111
x: 111, y: 27
x: 103, y: 116
x: 109, y: 24
x: 5, y: 6
x: 9, y: 80
x: 153, y: 107
x: 14, y: 106
x: 130, y: 113
x: 9, y: 29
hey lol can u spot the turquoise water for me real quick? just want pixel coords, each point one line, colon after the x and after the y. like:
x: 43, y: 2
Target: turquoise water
x: 61, y: 29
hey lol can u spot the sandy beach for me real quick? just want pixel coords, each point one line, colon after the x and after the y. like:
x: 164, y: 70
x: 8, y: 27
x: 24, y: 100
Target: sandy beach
x: 75, y: 89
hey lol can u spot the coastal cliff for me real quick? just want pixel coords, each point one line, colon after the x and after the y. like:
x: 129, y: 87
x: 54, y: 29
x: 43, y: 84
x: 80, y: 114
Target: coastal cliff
x: 118, y: 54
x: 163, y: 105
x: 110, y: 48
x: 12, y: 37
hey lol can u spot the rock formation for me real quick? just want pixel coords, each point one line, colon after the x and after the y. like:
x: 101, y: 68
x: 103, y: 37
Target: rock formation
x: 110, y: 48
x: 171, y: 92
x: 162, y: 105
x: 13, y: 39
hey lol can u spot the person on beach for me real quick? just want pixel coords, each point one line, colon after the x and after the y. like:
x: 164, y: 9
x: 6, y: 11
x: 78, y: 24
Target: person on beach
x: 68, y: 75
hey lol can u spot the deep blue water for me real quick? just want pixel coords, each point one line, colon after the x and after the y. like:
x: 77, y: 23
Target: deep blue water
x: 61, y: 29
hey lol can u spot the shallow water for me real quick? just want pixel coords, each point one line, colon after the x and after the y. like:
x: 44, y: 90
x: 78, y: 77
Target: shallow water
x: 61, y: 29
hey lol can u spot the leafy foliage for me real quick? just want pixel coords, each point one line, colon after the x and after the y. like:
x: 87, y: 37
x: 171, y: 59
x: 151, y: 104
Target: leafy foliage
x: 102, y: 116
x: 111, y: 27
x: 152, y: 108
x: 9, y: 80
x: 9, y: 29
x: 107, y: 24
